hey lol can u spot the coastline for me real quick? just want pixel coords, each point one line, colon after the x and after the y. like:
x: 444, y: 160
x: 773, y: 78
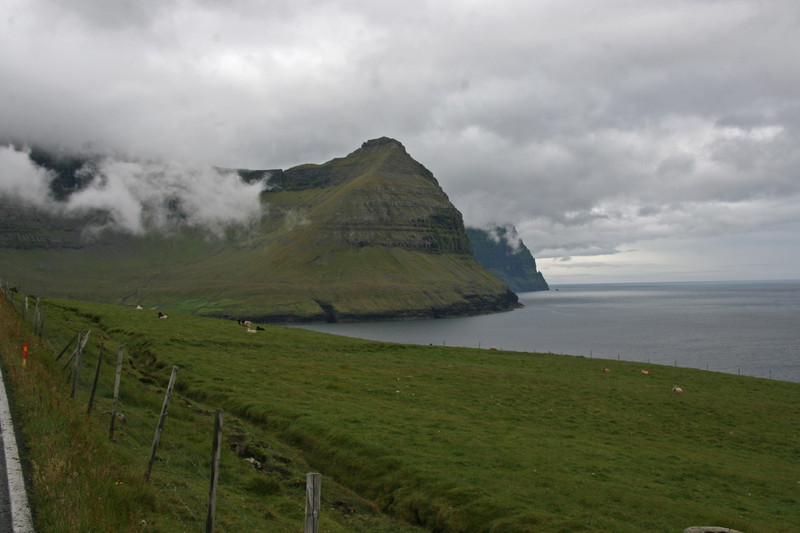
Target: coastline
x: 743, y: 328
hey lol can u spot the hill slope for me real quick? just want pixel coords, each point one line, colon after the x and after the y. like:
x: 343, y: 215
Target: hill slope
x: 370, y: 235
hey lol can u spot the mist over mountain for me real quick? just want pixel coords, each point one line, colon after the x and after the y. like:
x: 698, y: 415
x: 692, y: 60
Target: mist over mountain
x: 134, y: 195
x: 369, y: 235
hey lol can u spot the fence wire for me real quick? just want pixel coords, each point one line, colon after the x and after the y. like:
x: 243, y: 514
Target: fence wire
x: 190, y: 505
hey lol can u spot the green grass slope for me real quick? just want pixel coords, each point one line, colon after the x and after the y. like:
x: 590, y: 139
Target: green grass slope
x: 79, y: 481
x: 370, y: 235
x: 466, y: 440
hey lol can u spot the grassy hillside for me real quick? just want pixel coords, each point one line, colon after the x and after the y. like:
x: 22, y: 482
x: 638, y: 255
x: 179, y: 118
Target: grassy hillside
x: 80, y: 481
x: 269, y: 281
x: 465, y: 440
x: 370, y: 235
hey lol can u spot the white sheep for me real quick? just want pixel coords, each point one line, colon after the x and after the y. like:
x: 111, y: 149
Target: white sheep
x: 675, y: 388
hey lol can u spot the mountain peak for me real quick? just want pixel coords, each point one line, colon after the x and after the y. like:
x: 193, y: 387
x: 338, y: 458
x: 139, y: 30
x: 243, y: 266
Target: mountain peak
x: 380, y: 145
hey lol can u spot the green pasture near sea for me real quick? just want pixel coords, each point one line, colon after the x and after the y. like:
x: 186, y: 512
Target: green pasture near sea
x: 429, y: 438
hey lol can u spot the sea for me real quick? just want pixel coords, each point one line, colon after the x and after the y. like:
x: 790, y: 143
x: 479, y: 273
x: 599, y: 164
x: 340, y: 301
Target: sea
x: 748, y: 327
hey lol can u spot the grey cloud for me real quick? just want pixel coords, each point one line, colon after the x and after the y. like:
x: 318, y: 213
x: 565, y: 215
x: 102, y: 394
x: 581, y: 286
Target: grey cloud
x: 106, y: 16
x: 602, y: 124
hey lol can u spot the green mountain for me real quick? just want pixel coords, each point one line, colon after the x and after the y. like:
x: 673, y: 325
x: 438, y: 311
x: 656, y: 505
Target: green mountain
x: 367, y: 236
x: 503, y: 253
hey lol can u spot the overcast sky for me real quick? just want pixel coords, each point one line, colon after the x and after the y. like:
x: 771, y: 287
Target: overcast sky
x: 626, y: 140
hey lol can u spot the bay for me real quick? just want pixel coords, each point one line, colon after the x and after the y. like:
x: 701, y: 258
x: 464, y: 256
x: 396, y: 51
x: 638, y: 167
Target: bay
x: 750, y: 328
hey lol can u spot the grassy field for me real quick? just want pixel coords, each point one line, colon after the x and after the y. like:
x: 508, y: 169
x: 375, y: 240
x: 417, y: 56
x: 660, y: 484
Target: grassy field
x: 84, y: 483
x: 440, y: 439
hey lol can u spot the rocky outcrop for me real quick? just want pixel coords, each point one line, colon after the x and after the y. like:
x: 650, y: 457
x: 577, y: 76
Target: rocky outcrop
x: 502, y: 252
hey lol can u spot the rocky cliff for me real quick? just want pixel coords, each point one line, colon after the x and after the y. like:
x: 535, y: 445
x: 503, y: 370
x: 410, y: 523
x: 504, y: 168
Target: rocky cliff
x: 366, y: 236
x: 502, y: 252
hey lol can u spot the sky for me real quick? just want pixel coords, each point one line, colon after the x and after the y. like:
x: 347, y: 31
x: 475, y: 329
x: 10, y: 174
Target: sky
x: 626, y: 140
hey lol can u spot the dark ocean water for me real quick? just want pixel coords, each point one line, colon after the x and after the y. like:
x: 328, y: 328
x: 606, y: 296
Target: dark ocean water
x: 749, y: 328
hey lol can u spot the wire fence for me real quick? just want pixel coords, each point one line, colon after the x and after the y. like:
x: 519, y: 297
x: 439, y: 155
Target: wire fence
x: 189, y: 506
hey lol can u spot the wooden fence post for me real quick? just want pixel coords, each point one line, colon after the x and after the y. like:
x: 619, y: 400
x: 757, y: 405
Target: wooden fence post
x: 74, y: 352
x: 212, y: 490
x: 41, y: 324
x: 94, y: 383
x: 313, y: 498
x: 77, y: 335
x: 116, y: 393
x: 35, y: 315
x: 160, y: 426
x: 79, y: 348
x: 77, y: 368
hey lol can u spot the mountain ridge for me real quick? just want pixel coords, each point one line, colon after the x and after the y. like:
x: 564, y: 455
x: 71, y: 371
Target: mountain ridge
x: 367, y: 236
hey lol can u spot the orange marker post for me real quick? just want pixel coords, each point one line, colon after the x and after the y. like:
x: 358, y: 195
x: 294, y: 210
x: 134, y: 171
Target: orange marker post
x: 24, y: 354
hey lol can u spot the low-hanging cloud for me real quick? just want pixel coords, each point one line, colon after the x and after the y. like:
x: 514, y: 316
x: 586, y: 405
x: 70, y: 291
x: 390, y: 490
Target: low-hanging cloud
x: 139, y: 196
x: 505, y: 234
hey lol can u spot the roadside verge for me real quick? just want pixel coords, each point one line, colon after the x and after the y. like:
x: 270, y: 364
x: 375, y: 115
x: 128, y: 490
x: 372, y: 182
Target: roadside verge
x: 21, y: 520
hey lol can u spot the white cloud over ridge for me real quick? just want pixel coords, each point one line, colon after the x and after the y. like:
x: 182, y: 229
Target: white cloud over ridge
x: 139, y: 196
x: 599, y: 129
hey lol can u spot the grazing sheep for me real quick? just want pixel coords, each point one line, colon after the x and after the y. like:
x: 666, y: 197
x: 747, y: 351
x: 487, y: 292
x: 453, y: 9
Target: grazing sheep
x: 645, y: 372
x: 161, y: 315
x: 245, y: 323
x: 606, y: 370
x: 675, y: 388
x: 492, y: 348
x: 120, y: 416
x: 138, y: 307
x: 251, y: 330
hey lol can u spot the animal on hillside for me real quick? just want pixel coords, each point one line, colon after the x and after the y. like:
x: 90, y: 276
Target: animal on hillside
x: 645, y: 372
x: 245, y: 323
x: 161, y: 315
x: 492, y: 347
x: 138, y: 307
x: 675, y: 388
x: 120, y: 416
x: 251, y: 330
x: 606, y: 370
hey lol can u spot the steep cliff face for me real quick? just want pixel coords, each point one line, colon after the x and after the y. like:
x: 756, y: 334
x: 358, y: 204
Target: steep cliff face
x: 502, y: 252
x: 369, y: 235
